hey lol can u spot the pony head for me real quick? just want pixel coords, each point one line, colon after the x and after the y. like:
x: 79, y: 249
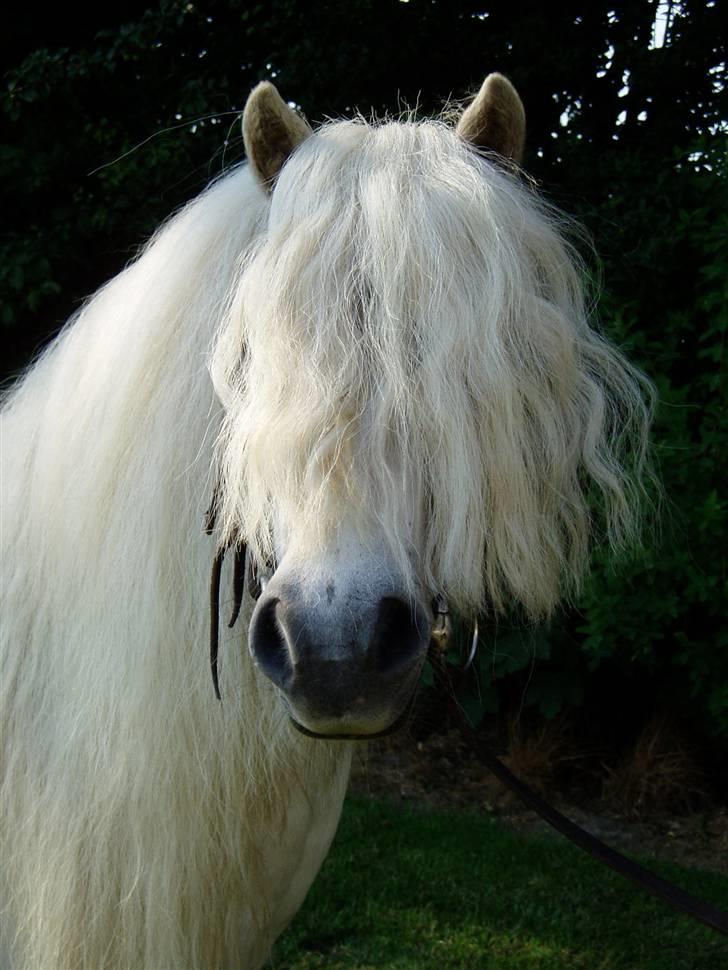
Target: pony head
x: 415, y: 405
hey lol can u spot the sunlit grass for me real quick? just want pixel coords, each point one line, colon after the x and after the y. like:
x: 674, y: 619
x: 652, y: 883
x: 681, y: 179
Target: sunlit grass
x: 408, y: 889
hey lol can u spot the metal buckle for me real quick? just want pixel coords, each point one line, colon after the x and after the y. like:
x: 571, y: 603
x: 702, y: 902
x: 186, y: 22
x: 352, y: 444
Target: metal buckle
x: 442, y: 632
x: 442, y: 627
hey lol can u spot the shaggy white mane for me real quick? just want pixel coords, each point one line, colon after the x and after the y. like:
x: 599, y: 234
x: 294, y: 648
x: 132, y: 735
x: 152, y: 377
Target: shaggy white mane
x: 131, y: 800
x: 411, y: 333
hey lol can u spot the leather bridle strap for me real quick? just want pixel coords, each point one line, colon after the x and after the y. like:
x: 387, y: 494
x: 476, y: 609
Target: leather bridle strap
x: 660, y: 888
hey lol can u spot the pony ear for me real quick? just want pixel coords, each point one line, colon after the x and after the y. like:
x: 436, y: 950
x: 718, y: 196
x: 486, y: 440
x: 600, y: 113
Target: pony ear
x: 495, y: 119
x: 271, y: 131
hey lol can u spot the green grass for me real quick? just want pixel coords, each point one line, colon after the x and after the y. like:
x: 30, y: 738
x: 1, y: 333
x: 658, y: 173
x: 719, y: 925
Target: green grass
x: 408, y: 889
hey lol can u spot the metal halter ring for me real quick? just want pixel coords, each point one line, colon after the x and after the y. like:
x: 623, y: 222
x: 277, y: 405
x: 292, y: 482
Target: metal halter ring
x: 442, y: 632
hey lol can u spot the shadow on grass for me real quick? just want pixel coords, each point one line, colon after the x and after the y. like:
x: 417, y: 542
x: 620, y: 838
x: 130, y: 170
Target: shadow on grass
x: 413, y: 890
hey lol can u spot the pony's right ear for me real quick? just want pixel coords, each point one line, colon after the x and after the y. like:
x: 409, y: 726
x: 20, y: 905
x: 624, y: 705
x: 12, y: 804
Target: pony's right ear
x: 271, y: 131
x: 495, y: 120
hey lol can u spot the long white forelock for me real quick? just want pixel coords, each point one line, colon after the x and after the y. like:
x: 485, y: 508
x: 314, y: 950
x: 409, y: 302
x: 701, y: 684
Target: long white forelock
x: 412, y: 332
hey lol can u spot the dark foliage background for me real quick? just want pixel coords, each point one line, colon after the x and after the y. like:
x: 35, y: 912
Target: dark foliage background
x: 110, y: 123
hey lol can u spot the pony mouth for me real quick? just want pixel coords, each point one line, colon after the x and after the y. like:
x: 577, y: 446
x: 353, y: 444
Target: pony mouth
x: 395, y: 726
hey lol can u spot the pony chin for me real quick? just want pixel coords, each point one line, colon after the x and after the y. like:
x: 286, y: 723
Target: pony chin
x: 352, y: 730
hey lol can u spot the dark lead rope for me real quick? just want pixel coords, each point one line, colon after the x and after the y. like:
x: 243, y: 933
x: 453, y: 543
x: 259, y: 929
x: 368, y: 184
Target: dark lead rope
x: 663, y: 890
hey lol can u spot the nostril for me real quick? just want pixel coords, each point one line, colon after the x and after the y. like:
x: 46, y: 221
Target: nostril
x: 268, y: 645
x: 397, y: 640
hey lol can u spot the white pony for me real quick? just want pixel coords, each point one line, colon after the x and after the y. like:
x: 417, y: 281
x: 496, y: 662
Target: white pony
x: 371, y: 342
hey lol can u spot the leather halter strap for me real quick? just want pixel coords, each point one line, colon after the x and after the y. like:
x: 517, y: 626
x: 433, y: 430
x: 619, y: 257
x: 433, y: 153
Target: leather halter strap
x: 661, y: 888
x: 240, y: 548
x: 256, y: 584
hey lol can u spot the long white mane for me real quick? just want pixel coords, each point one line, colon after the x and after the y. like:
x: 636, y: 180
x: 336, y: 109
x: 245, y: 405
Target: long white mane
x: 127, y: 789
x: 403, y: 332
x: 412, y: 333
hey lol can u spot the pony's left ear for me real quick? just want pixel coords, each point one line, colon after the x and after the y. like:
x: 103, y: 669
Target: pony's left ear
x: 271, y: 131
x: 495, y: 120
